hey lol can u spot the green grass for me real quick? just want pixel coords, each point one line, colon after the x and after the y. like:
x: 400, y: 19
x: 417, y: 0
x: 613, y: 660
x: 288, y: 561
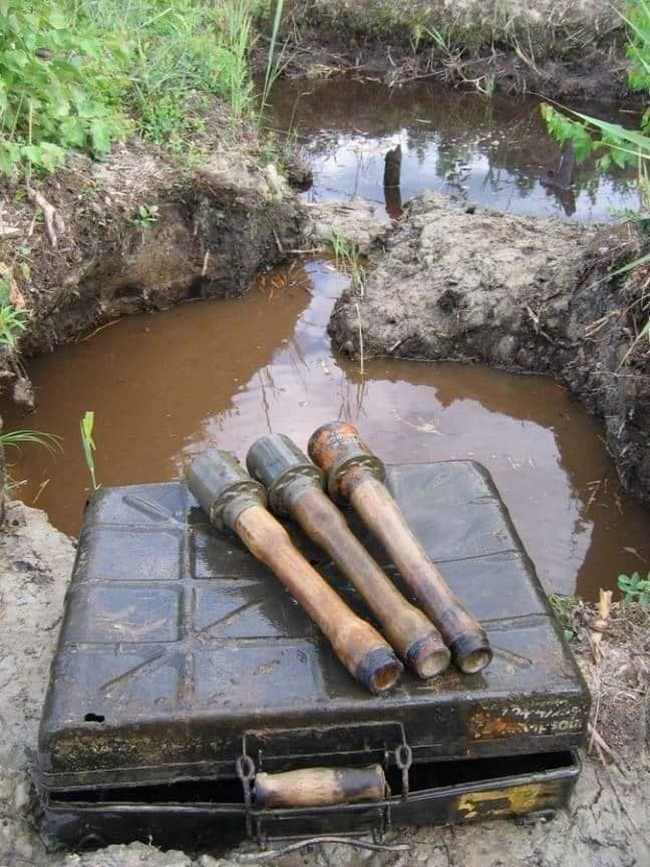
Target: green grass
x: 17, y: 438
x: 12, y: 320
x: 348, y: 259
x: 86, y: 425
x: 634, y: 588
x: 613, y: 143
x: 562, y: 607
x: 79, y: 74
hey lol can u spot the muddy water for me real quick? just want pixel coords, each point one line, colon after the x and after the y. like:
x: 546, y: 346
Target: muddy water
x: 493, y: 152
x: 165, y: 386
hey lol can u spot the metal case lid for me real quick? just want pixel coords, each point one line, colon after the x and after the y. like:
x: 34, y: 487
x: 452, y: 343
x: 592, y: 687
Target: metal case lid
x: 178, y: 651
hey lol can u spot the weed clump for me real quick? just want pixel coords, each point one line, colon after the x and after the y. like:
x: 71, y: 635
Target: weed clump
x: 79, y: 74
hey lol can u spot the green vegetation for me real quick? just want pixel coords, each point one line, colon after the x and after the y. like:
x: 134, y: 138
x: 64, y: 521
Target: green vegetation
x: 12, y: 321
x: 86, y: 425
x: 348, y: 259
x: 634, y: 588
x: 563, y: 607
x: 16, y: 438
x: 79, y: 74
x: 611, y: 142
x: 145, y: 216
x: 56, y: 86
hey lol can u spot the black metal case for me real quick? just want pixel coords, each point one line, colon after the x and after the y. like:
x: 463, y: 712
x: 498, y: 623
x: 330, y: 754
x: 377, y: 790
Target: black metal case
x: 184, y: 668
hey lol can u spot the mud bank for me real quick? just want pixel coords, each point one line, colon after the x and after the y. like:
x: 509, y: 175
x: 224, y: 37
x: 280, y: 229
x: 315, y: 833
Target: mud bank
x: 137, y: 233
x: 607, y: 823
x: 556, y: 47
x: 521, y: 294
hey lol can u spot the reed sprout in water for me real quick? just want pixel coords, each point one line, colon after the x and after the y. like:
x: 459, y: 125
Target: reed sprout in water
x: 87, y: 424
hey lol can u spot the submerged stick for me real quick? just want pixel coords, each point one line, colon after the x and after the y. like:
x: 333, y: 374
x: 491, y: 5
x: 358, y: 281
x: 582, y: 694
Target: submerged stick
x: 234, y: 501
x: 356, y: 475
x: 296, y: 489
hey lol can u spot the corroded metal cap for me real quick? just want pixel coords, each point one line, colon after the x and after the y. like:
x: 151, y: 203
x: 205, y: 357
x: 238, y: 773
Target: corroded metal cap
x: 223, y: 487
x: 336, y: 448
x: 278, y: 463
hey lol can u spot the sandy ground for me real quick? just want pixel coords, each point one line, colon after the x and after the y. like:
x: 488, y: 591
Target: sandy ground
x: 607, y: 823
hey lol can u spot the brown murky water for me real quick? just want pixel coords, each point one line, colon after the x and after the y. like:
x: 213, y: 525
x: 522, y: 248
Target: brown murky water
x: 164, y: 386
x: 494, y: 152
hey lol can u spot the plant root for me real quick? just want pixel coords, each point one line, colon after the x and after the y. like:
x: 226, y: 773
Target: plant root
x: 54, y: 225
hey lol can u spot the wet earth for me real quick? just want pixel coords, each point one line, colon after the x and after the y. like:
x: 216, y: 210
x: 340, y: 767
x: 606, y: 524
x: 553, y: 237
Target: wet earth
x: 164, y: 386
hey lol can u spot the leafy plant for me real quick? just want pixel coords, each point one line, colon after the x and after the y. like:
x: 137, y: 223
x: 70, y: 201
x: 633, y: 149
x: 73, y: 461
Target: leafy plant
x: 12, y: 320
x: 77, y: 74
x: 634, y: 588
x: 55, y: 82
x: 87, y: 424
x: 146, y: 215
x: 611, y: 142
x: 562, y: 607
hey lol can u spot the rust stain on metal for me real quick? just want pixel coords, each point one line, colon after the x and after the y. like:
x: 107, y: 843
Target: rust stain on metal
x: 484, y: 726
x: 516, y: 800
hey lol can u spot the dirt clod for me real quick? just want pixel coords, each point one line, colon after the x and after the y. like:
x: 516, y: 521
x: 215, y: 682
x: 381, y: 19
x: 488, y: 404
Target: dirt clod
x: 518, y: 293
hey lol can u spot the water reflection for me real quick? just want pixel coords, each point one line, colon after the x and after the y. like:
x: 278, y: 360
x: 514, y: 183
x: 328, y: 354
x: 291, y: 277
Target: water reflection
x: 493, y: 152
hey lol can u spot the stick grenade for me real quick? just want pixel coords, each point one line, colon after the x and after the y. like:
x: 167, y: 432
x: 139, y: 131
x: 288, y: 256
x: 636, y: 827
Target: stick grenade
x: 235, y: 501
x: 295, y: 488
x: 356, y: 475
x: 320, y: 787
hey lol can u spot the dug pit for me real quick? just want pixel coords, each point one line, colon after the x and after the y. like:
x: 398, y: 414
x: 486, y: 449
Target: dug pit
x: 163, y: 385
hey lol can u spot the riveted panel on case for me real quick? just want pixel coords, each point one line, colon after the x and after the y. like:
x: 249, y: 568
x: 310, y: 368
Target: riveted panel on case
x: 124, y: 613
x: 234, y: 677
x: 477, y: 582
x: 246, y: 609
x: 131, y: 553
x: 138, y: 505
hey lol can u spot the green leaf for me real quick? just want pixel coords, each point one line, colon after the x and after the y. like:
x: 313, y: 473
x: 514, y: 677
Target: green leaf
x: 100, y: 134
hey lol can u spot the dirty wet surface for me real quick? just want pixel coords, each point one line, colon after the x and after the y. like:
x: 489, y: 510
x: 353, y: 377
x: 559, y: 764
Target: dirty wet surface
x: 165, y: 386
x: 491, y: 152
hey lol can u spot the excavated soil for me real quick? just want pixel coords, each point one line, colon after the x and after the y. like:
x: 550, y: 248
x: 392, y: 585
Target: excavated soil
x: 606, y: 824
x: 522, y: 294
x: 142, y: 233
x: 139, y: 233
x: 556, y: 47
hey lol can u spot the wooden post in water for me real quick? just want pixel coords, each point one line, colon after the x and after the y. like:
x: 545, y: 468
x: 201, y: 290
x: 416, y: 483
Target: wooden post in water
x: 392, y: 191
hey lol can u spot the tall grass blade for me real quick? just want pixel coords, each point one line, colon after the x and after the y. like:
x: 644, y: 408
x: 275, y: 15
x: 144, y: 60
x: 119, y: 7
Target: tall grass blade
x: 86, y: 424
x: 15, y: 438
x: 273, y: 64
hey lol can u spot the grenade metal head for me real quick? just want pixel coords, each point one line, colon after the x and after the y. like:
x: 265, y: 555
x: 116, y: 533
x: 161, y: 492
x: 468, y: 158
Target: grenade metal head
x: 277, y: 462
x: 337, y: 448
x: 223, y: 487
